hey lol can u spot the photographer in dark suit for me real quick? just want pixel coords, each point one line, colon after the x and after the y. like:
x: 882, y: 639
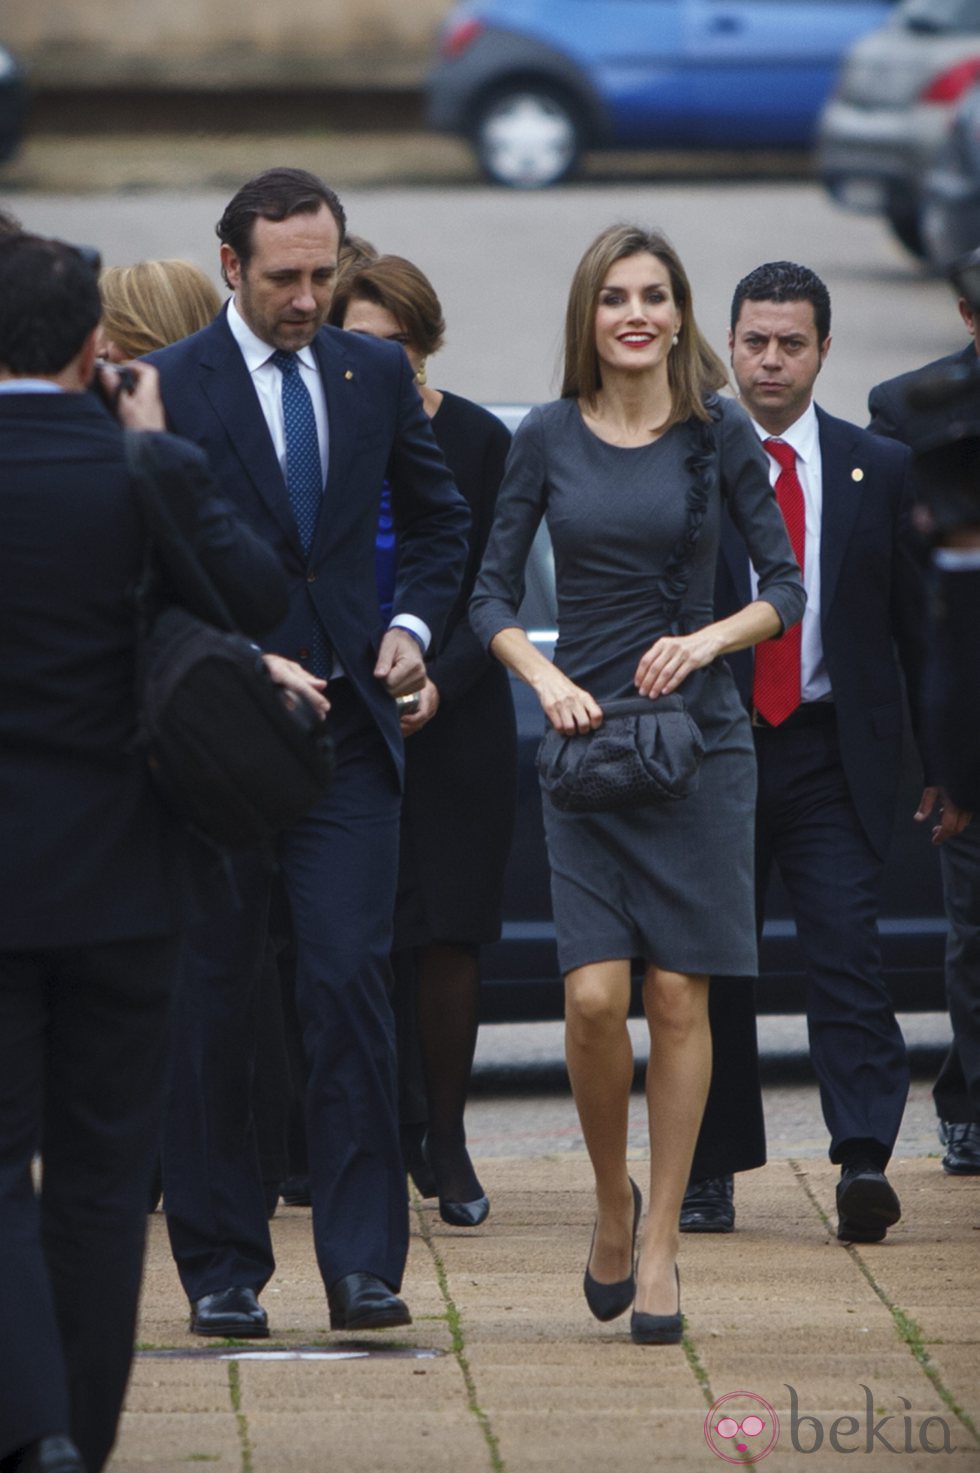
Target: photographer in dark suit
x: 946, y: 461
x: 90, y: 862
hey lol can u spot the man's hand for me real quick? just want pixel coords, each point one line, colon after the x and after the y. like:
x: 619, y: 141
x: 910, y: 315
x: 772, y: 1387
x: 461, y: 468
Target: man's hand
x: 400, y: 666
x: 428, y: 706
x: 952, y: 820
x: 143, y: 408
x: 298, y: 683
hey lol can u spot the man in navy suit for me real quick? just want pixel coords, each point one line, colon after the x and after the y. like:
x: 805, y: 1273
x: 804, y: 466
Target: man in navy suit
x: 90, y: 862
x: 957, y: 1089
x: 829, y: 755
x: 301, y: 424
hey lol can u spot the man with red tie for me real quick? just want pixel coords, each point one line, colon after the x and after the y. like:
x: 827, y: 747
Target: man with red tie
x: 826, y: 704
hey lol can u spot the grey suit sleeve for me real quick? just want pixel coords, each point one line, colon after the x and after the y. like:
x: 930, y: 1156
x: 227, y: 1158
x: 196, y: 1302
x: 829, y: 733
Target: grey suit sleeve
x: 499, y: 585
x: 755, y: 512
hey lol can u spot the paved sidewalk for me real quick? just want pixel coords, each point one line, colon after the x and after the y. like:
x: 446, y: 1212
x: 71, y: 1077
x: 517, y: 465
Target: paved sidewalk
x: 504, y: 1369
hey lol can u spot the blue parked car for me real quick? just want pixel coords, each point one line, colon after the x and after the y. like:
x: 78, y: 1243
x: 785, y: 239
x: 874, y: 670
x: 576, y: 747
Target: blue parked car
x: 535, y: 83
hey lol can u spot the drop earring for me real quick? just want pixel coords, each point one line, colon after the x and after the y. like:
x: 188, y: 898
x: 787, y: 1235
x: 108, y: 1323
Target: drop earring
x: 674, y: 340
x: 420, y: 377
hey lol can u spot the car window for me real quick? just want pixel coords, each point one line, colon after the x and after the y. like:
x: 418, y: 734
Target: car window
x: 941, y: 15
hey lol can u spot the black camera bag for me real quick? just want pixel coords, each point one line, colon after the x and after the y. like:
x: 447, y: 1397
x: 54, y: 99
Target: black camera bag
x: 236, y: 756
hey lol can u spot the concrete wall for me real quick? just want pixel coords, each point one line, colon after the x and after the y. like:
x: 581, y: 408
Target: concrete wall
x: 223, y: 43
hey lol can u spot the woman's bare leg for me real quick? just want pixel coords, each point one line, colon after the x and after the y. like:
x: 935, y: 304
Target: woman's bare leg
x: 678, y: 1076
x: 600, y: 1065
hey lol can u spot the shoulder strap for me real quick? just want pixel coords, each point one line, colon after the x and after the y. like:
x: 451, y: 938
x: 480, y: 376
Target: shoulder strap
x: 184, y: 569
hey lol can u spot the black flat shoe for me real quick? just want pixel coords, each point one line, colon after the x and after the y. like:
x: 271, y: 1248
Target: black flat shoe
x: 709, y: 1206
x: 235, y: 1313
x: 658, y: 1329
x: 362, y: 1301
x: 47, y: 1455
x: 606, y: 1301
x: 867, y: 1204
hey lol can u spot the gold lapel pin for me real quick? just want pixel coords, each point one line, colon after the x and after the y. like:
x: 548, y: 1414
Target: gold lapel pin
x: 349, y: 373
x: 857, y: 474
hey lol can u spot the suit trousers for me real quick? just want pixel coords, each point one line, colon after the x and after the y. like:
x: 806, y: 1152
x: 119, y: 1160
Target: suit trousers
x: 83, y: 1039
x: 807, y: 825
x: 957, y: 1088
x: 339, y: 869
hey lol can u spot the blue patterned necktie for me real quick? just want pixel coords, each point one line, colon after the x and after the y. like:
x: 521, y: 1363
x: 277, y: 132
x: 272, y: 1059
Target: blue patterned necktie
x: 304, y: 482
x: 304, y: 473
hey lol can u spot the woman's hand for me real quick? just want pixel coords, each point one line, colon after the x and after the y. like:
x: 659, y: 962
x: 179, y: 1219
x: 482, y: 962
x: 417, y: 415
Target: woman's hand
x: 671, y: 659
x: 569, y: 708
x: 428, y: 706
x: 298, y: 683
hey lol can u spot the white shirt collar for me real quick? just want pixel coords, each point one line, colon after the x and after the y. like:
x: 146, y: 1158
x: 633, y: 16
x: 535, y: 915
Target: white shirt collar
x: 803, y: 434
x: 256, y: 352
x: 29, y: 386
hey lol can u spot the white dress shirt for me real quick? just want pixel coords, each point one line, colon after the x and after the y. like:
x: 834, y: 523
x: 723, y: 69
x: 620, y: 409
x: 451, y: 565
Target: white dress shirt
x: 804, y: 437
x: 267, y: 381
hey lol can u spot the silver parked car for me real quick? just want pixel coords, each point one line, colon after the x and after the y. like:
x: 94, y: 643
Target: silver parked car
x: 889, y: 114
x: 951, y: 192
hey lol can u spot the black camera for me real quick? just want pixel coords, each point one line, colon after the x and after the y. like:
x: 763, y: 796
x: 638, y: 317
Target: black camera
x: 123, y: 381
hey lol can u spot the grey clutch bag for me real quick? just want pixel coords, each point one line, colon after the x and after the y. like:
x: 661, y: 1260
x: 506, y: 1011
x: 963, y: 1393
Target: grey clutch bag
x: 644, y: 752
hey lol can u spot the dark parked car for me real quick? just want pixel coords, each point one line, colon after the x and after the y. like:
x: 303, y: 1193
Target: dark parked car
x: 534, y: 83
x: 521, y: 978
x: 13, y: 104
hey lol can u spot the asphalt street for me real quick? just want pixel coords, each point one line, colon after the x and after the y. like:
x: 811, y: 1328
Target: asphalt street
x: 502, y: 261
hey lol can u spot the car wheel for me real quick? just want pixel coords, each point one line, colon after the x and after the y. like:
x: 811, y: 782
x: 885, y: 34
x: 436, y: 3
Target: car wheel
x: 527, y: 137
x: 906, y: 225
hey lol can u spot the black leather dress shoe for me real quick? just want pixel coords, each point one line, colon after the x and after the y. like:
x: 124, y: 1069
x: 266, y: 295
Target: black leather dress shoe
x: 364, y: 1302
x: 235, y: 1313
x: 47, y: 1455
x: 867, y: 1204
x: 962, y: 1156
x: 295, y: 1191
x: 709, y: 1206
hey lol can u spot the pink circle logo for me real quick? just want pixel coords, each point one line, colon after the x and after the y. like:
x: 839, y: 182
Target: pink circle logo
x: 741, y: 1427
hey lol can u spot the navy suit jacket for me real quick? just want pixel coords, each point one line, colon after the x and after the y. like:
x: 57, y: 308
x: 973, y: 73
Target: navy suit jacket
x: 377, y: 428
x: 87, y: 852
x: 891, y: 416
x: 871, y: 603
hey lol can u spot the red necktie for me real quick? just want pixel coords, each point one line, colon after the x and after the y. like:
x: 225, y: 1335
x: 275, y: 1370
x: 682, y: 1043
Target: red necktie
x: 776, y: 687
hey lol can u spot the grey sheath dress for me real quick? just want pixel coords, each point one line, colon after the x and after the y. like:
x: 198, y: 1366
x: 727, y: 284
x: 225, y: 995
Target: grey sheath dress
x: 671, y: 884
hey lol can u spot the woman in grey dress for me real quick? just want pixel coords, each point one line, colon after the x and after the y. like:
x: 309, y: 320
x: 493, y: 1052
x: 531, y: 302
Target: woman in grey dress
x: 631, y: 468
